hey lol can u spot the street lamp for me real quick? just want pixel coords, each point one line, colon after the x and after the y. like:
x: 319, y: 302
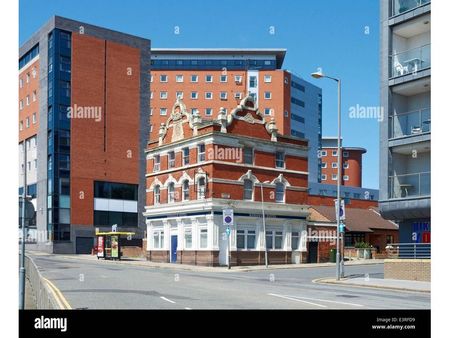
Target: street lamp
x: 339, y: 263
x: 264, y: 223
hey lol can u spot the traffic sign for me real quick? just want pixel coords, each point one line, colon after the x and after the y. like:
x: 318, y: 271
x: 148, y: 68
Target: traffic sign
x: 228, y: 231
x: 114, y: 228
x: 228, y: 217
x: 341, y: 209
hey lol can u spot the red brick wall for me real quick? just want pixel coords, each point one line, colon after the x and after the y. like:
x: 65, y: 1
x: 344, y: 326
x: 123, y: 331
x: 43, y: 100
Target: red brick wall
x: 33, y: 107
x: 329, y: 201
x: 109, y: 149
x: 354, y: 171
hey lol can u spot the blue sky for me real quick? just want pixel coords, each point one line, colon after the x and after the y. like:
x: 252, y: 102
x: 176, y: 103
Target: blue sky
x: 341, y: 37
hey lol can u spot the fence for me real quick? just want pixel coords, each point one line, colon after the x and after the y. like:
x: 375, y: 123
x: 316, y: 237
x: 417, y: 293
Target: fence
x: 45, y: 297
x: 409, y: 251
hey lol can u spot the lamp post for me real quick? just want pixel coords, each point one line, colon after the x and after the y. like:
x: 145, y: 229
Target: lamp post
x: 339, y: 262
x: 264, y: 223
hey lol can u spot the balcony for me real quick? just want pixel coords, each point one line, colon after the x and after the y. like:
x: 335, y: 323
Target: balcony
x: 412, y: 123
x: 410, y: 61
x: 410, y: 185
x: 402, y: 6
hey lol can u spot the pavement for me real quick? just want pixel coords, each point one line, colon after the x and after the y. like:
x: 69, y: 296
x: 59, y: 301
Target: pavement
x: 186, y: 267
x: 88, y: 283
x: 391, y: 284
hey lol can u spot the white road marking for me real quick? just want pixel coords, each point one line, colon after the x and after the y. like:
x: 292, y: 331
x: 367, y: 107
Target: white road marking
x: 296, y: 300
x: 328, y: 301
x: 167, y: 300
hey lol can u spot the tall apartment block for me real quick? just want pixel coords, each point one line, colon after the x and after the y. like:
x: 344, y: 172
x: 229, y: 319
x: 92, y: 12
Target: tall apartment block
x: 351, y: 163
x: 83, y: 123
x: 207, y: 79
x: 406, y: 131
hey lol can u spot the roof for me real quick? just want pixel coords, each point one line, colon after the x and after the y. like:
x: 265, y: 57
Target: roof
x: 356, y: 219
x: 279, y: 53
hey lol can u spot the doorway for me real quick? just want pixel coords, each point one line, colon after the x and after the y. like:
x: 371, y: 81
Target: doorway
x: 313, y: 252
x: 173, y: 248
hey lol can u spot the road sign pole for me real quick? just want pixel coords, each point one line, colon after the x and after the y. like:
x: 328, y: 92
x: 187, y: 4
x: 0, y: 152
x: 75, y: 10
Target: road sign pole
x: 229, y: 250
x: 24, y: 232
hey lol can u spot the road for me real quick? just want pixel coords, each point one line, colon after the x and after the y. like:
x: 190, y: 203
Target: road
x: 92, y: 284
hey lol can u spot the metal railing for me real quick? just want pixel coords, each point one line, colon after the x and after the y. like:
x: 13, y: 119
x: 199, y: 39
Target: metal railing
x: 410, y: 123
x: 410, y: 61
x: 402, y: 6
x: 408, y: 251
x: 410, y: 185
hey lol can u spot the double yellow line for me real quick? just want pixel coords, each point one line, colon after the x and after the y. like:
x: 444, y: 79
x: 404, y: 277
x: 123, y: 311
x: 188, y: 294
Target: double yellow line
x: 60, y: 299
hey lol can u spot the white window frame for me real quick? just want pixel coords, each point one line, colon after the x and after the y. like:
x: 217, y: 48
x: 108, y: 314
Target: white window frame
x: 163, y: 111
x: 323, y: 177
x: 166, y: 78
x: 34, y: 96
x: 238, y: 95
x: 171, y: 194
x: 270, y: 111
x: 345, y: 177
x: 334, y: 177
x: 250, y: 81
x: 163, y: 95
x: 151, y: 78
x: 267, y: 78
x: 160, y: 235
x: 151, y: 95
x: 201, y: 231
x: 238, y: 79
x: 210, y: 113
x: 21, y: 125
x: 346, y: 165
x: 156, y: 163
x: 299, y: 240
x: 27, y: 100
x: 20, y: 83
x: 252, y: 197
x: 269, y: 97
x: 33, y: 118
x: 194, y: 111
x: 157, y: 195
x: 223, y: 78
x: 184, y: 156
x: 222, y: 97
x: 179, y: 95
x: 28, y: 78
x: 194, y: 78
x: 274, y: 234
x: 334, y: 165
x: 334, y: 153
x: 345, y: 154
x: 284, y: 192
x: 206, y: 78
x: 20, y: 104
x: 253, y: 155
x: 188, y: 231
x: 246, y: 235
x: 183, y: 190
x: 283, y: 160
x: 201, y: 195
x: 323, y: 165
x: 179, y: 78
x: 323, y: 153
x: 27, y: 122
x: 171, y: 161
x: 194, y: 95
x: 201, y: 156
x: 206, y: 95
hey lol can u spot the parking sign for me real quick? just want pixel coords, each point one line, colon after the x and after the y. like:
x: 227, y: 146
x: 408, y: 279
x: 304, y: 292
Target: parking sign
x: 228, y: 217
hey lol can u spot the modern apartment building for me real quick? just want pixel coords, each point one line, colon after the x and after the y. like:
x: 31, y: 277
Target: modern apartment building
x: 405, y: 134
x: 83, y: 118
x: 351, y: 163
x: 207, y: 79
x: 237, y: 159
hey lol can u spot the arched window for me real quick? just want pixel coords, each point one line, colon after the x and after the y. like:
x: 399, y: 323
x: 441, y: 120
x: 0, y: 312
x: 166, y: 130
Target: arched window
x: 248, y: 190
x: 186, y: 190
x: 171, y: 192
x: 157, y: 195
x: 201, y: 188
x: 279, y: 192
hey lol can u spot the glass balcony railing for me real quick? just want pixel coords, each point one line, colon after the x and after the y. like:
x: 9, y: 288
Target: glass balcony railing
x: 401, y: 6
x: 410, y: 61
x: 411, y: 123
x: 410, y: 185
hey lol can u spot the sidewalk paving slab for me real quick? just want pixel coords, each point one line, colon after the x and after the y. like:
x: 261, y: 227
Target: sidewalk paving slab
x: 380, y: 283
x: 186, y: 267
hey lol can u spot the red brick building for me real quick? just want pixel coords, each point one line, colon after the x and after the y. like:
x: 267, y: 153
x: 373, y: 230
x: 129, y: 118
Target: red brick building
x: 199, y: 167
x: 351, y: 163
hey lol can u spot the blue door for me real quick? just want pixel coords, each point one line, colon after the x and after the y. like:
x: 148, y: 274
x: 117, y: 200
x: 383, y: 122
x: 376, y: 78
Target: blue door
x: 173, y: 248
